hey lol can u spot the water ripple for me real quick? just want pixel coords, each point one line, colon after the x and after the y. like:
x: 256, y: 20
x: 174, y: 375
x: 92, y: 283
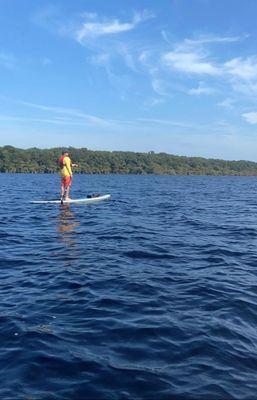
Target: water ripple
x: 149, y: 296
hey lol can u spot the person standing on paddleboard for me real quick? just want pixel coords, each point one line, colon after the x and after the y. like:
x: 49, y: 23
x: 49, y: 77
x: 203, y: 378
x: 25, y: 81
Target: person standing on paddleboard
x: 66, y: 175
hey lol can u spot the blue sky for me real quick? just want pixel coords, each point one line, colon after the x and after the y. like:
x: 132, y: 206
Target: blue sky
x: 178, y: 76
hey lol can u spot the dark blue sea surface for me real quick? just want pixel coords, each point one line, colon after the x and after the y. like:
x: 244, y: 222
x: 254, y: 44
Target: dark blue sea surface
x: 151, y: 295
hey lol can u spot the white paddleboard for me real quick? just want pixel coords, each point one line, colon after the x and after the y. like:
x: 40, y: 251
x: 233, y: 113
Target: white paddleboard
x: 83, y: 200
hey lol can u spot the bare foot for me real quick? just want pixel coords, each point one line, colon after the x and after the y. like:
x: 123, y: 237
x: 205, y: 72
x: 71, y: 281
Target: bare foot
x: 67, y: 199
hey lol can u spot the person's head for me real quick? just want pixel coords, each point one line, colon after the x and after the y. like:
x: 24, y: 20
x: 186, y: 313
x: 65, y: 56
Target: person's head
x: 65, y: 153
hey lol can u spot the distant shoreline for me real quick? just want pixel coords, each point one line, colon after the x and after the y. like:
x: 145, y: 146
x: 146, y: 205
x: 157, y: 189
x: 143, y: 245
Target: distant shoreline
x: 44, y: 161
x: 132, y: 174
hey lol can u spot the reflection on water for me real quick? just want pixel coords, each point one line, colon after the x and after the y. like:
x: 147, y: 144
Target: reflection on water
x: 67, y: 221
x: 67, y: 225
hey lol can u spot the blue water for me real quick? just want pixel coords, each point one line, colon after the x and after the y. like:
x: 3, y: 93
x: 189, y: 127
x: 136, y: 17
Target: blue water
x: 152, y: 295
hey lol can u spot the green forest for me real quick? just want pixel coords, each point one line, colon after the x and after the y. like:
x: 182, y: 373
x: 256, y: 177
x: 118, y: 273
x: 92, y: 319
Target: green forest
x: 36, y: 160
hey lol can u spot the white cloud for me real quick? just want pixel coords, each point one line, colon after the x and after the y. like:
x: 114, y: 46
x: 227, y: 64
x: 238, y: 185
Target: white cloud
x: 190, y: 55
x: 208, y: 39
x: 248, y: 89
x: 196, y: 57
x: 189, y: 62
x: 144, y: 57
x: 250, y: 117
x: 127, y: 55
x: 227, y: 103
x: 242, y: 68
x: 147, y: 59
x: 165, y: 37
x: 160, y: 87
x: 101, y: 35
x: 94, y: 29
x: 201, y: 89
x: 97, y: 28
x: 54, y: 121
x: 243, y: 75
x: 67, y: 112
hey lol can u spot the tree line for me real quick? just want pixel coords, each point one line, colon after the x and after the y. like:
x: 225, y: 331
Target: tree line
x: 36, y: 160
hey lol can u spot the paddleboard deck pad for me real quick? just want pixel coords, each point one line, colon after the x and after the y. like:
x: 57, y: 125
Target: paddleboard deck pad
x: 82, y: 200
